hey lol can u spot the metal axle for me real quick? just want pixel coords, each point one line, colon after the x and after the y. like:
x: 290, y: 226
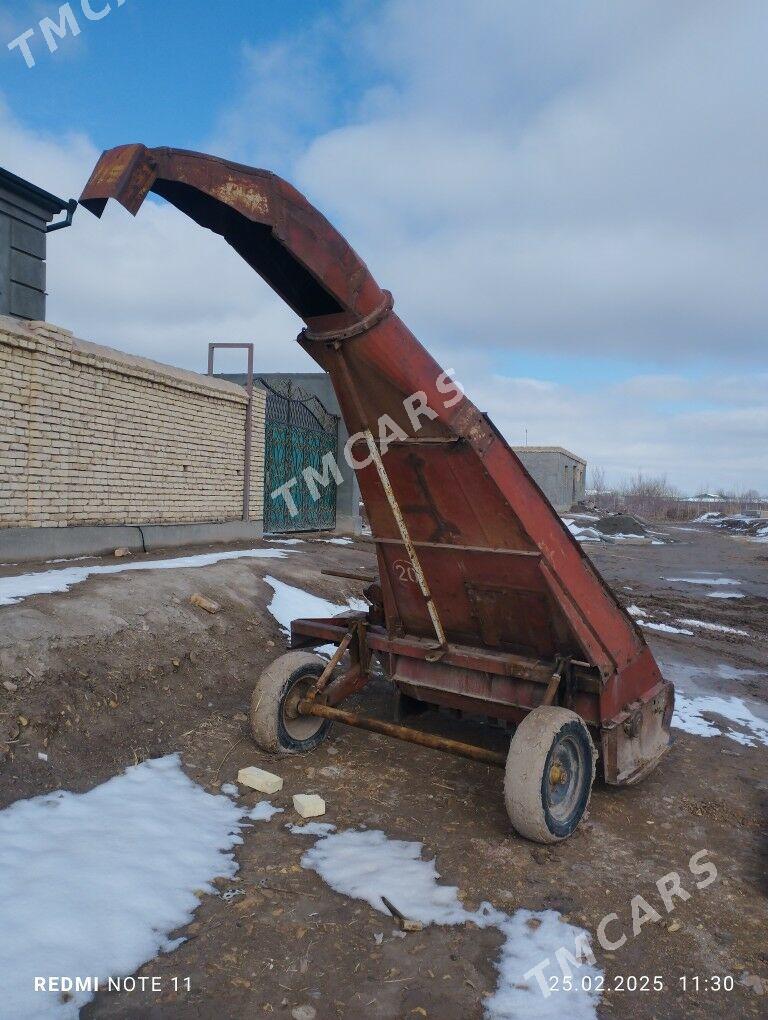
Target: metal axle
x: 437, y: 743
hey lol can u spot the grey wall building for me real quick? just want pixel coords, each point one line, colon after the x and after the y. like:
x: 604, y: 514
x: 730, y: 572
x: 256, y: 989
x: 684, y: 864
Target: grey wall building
x: 559, y: 473
x: 319, y: 384
x: 25, y: 215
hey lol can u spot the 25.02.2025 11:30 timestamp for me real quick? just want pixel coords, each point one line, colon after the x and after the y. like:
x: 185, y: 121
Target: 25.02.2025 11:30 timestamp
x: 690, y: 983
x: 706, y: 982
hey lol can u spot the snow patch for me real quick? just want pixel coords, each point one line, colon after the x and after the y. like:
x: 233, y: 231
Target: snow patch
x: 311, y: 828
x: 719, y: 581
x: 263, y: 811
x: 289, y: 603
x: 689, y: 716
x: 714, y: 626
x: 664, y: 628
x: 636, y: 611
x: 368, y: 865
x: 46, y: 582
x: 724, y: 595
x: 93, y: 883
x: 582, y: 534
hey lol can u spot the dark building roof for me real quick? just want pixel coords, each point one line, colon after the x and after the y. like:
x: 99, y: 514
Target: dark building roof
x: 37, y: 196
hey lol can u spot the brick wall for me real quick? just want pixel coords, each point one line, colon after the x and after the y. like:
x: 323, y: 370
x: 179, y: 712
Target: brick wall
x: 89, y: 435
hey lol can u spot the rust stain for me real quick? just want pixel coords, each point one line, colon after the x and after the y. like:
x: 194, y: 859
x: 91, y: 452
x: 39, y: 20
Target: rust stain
x: 243, y: 197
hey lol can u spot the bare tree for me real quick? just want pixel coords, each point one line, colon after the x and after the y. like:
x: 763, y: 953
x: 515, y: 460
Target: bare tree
x: 652, y: 496
x: 597, y: 480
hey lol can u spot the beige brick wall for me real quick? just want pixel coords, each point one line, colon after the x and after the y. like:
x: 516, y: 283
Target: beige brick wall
x: 89, y: 435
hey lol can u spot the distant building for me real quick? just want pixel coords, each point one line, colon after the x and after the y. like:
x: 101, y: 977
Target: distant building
x: 559, y: 473
x: 704, y: 497
x: 26, y: 212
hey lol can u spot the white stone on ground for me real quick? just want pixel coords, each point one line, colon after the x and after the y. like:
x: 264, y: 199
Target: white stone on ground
x: 259, y: 779
x: 308, y: 805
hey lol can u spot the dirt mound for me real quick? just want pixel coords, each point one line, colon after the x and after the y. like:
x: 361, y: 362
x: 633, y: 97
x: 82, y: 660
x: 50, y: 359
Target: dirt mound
x: 748, y: 523
x: 621, y: 524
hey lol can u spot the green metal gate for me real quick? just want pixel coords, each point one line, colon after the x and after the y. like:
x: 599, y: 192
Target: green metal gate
x: 299, y: 432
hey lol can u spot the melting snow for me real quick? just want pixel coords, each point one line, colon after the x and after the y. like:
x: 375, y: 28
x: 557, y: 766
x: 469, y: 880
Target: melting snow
x: 93, y: 883
x: 582, y: 534
x: 664, y: 627
x: 636, y: 611
x: 689, y: 716
x: 369, y: 865
x: 289, y: 603
x: 264, y: 811
x: 703, y: 580
x: 14, y: 589
x: 714, y: 626
x: 724, y: 595
x: 311, y: 828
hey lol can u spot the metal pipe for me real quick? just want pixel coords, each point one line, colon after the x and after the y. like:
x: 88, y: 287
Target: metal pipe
x: 71, y: 209
x: 325, y: 676
x: 405, y: 535
x: 437, y: 743
x: 353, y: 575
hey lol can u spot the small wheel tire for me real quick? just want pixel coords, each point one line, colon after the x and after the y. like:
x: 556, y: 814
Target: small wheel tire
x: 276, y: 726
x: 549, y: 774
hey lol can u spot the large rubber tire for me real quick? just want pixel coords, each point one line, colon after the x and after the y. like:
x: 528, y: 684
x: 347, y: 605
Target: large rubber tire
x: 549, y: 774
x: 275, y: 726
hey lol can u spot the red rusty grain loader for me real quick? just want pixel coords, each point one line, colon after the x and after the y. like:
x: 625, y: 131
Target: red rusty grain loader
x: 484, y: 602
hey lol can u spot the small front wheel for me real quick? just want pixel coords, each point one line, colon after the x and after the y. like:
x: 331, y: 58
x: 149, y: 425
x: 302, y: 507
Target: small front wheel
x: 276, y: 724
x: 549, y: 774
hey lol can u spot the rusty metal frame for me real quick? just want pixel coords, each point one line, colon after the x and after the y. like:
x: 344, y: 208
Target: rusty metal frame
x: 497, y: 576
x: 431, y: 740
x: 212, y: 348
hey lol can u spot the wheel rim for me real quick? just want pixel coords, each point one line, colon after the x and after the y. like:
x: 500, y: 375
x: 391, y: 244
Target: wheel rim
x: 299, y: 727
x: 564, y: 781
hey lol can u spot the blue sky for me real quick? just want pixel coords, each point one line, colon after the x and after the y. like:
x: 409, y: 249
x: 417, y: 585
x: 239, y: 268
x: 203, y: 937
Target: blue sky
x: 150, y: 70
x: 568, y: 200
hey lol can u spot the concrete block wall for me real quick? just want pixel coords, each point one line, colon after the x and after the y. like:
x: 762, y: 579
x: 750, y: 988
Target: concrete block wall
x: 559, y: 473
x: 92, y: 436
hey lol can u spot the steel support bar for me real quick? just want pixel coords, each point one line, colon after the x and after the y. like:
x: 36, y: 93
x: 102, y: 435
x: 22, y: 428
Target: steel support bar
x: 366, y: 722
x: 325, y: 676
x: 353, y: 575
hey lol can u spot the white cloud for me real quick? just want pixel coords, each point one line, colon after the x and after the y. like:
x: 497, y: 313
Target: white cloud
x: 586, y: 178
x: 620, y: 427
x: 567, y: 179
x: 156, y: 285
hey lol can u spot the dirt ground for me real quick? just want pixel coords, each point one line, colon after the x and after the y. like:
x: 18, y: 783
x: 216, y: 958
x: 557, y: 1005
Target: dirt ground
x: 122, y: 668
